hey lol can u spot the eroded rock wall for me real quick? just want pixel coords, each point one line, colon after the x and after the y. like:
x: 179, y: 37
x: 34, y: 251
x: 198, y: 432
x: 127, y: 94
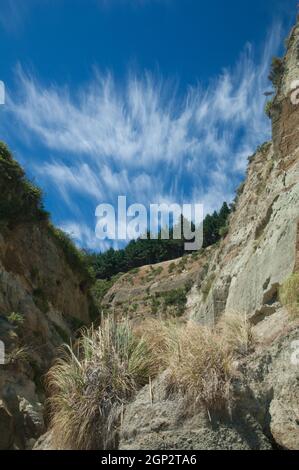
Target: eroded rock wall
x: 244, y: 275
x: 260, y: 251
x: 42, y: 302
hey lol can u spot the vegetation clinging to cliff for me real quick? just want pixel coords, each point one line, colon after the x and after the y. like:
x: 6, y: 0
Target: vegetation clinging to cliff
x: 276, y: 72
x: 21, y: 201
x: 90, y: 386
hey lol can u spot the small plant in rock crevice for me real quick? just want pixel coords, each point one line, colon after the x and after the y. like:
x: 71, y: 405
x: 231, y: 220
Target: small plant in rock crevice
x: 16, y: 319
x: 289, y: 295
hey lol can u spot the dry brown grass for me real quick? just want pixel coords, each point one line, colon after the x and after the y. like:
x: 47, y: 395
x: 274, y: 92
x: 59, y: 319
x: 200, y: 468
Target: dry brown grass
x: 18, y: 355
x: 289, y: 295
x: 199, y: 359
x: 157, y: 335
x: 89, y: 388
x: 236, y: 333
x: 201, y: 366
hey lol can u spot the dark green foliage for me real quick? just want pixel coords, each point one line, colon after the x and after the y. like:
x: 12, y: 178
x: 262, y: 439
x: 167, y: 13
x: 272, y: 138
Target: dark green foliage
x: 277, y: 70
x: 101, y: 287
x: 155, y: 305
x: 146, y: 251
x: 175, y: 298
x: 173, y: 301
x: 21, y: 201
x: 171, y: 268
x: 212, y: 225
x: 224, y: 231
x: 16, y: 319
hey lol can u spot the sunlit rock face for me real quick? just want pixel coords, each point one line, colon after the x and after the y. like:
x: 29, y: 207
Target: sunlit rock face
x: 261, y: 249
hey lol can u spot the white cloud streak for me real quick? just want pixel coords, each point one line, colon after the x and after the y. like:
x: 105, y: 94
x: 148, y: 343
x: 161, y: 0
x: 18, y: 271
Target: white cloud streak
x: 84, y: 236
x: 143, y: 139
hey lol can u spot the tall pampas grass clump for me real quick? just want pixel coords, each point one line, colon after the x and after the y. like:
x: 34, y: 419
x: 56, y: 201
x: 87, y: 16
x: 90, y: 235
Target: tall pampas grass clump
x: 236, y: 333
x: 89, y: 387
x: 201, y: 366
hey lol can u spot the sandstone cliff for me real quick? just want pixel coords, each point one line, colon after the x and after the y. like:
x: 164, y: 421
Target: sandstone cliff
x: 43, y: 300
x: 243, y: 275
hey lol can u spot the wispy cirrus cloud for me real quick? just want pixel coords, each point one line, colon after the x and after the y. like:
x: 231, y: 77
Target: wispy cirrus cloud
x: 67, y: 180
x: 84, y: 235
x: 138, y: 124
x: 144, y: 139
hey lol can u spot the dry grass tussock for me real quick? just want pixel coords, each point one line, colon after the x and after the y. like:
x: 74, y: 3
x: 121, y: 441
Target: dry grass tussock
x: 201, y: 366
x: 235, y: 330
x: 90, y: 387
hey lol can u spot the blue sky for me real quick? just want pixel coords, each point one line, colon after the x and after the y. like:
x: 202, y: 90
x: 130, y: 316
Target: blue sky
x: 158, y: 100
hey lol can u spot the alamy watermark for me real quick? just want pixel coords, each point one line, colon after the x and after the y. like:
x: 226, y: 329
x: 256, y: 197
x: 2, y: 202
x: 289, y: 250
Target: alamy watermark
x: 2, y: 92
x: 161, y: 221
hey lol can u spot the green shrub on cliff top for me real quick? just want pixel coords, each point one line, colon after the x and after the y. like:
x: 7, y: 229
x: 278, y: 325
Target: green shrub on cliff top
x: 277, y: 70
x: 21, y: 200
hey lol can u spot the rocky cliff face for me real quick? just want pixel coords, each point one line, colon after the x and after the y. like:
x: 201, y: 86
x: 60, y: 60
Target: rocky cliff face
x: 161, y: 288
x: 43, y: 300
x: 243, y: 274
x: 259, y: 252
